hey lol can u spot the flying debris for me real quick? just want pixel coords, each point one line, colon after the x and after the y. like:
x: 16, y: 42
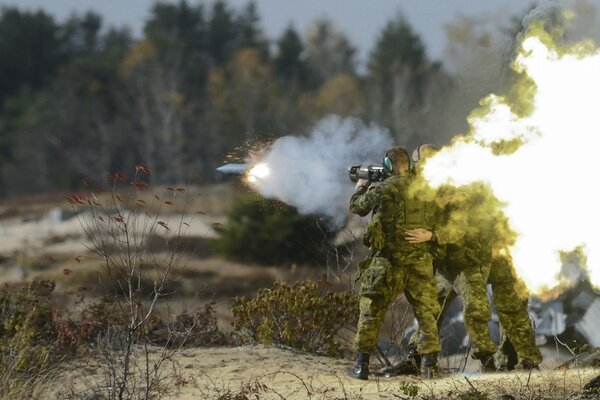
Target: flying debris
x: 233, y: 168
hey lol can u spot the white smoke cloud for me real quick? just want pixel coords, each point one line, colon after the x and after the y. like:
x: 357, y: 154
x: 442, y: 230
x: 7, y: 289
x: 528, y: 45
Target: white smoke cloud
x: 311, y: 173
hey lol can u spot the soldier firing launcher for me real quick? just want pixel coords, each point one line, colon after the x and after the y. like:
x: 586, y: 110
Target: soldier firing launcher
x: 372, y: 173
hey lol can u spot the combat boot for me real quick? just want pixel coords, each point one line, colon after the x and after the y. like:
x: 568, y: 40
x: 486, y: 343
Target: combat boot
x: 410, y: 365
x: 414, y: 355
x: 486, y: 360
x: 361, y: 369
x: 429, y: 367
x: 509, y: 355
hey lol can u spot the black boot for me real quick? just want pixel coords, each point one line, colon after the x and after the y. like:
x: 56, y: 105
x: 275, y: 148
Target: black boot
x: 410, y: 365
x: 429, y: 368
x: 414, y: 354
x: 512, y: 359
x: 361, y: 369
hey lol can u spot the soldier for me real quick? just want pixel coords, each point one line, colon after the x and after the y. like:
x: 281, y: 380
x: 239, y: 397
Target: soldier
x: 465, y: 228
x: 483, y: 257
x: 485, y: 232
x: 411, y: 365
x: 458, y: 243
x: 396, y: 265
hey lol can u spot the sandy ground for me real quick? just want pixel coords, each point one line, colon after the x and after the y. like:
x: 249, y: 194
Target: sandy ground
x: 49, y: 234
x: 262, y: 372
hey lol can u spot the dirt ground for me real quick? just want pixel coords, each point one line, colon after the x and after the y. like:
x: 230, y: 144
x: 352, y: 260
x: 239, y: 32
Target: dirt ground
x: 262, y: 372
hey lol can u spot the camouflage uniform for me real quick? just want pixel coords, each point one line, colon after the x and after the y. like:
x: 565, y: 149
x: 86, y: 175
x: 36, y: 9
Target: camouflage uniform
x: 477, y: 258
x: 511, y: 300
x: 396, y: 266
x: 466, y: 229
x: 475, y: 271
x: 459, y: 251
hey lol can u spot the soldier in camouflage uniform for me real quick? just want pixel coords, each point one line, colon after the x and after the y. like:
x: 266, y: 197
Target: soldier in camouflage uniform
x: 482, y: 231
x: 476, y: 258
x: 396, y: 266
x: 465, y: 227
x: 486, y: 241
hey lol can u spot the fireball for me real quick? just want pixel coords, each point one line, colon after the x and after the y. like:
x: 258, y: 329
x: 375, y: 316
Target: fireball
x: 548, y: 177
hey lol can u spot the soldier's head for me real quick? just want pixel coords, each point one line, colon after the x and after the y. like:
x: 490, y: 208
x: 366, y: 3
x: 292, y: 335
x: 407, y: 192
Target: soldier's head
x: 397, y: 160
x: 423, y: 152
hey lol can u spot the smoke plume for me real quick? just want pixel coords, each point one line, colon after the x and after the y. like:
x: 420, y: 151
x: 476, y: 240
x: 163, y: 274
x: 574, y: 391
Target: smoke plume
x: 537, y: 149
x: 310, y: 173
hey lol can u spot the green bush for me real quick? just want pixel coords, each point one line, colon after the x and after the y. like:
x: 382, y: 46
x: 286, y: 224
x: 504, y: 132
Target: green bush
x: 29, y: 338
x: 27, y: 331
x: 271, y: 232
x: 307, y: 316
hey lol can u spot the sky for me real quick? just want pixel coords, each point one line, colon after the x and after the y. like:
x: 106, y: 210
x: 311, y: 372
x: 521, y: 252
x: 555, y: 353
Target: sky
x: 361, y: 20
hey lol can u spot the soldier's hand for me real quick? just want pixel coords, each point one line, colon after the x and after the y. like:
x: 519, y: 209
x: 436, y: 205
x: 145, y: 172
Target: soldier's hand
x: 362, y: 183
x: 418, y: 235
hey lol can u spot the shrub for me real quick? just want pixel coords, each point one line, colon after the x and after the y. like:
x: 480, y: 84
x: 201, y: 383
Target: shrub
x: 29, y: 338
x: 271, y: 232
x: 199, y: 329
x: 101, y: 317
x: 108, y: 315
x: 307, y: 316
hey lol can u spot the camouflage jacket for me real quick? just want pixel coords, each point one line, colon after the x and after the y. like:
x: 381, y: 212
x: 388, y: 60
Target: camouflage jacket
x: 471, y: 218
x: 394, y: 211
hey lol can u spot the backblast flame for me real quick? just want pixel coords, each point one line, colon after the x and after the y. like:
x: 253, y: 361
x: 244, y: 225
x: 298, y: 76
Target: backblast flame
x: 258, y: 173
x: 540, y: 155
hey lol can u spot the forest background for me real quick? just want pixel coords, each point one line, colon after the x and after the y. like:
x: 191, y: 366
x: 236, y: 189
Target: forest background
x: 79, y: 98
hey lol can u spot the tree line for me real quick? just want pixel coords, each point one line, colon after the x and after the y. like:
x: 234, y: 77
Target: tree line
x: 79, y: 98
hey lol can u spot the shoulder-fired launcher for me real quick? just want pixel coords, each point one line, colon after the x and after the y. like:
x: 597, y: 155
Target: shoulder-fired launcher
x: 372, y: 173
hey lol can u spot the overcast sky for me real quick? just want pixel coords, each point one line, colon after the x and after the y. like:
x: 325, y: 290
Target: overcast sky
x: 361, y: 20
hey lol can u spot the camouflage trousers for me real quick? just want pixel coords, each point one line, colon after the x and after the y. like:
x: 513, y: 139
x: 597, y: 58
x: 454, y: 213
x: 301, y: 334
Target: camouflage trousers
x: 445, y: 296
x: 454, y: 264
x: 381, y: 282
x: 472, y: 273
x: 511, y: 299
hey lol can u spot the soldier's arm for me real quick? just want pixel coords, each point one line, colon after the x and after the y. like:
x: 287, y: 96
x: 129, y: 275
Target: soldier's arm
x: 454, y: 228
x: 365, y: 199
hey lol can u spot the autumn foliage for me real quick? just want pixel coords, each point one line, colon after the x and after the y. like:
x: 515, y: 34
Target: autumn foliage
x: 307, y: 316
